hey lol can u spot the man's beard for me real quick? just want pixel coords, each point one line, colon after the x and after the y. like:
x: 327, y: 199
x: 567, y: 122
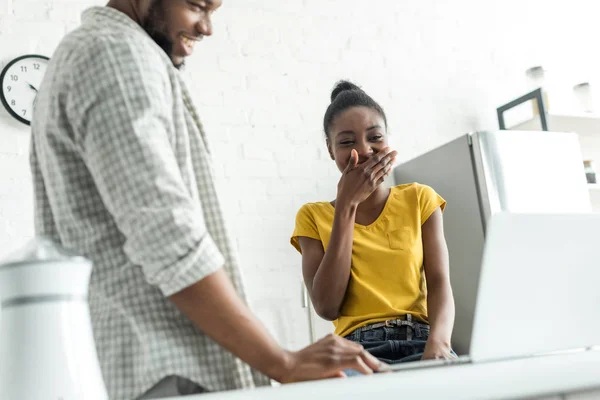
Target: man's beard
x: 152, y: 25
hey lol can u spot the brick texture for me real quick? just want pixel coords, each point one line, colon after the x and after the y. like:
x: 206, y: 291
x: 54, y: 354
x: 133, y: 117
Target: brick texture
x: 262, y: 84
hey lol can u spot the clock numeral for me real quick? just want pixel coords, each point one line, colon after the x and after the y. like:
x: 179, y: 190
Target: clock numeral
x: 14, y: 78
x: 24, y: 112
x: 9, y: 88
x: 23, y: 68
x: 36, y: 66
x: 13, y: 103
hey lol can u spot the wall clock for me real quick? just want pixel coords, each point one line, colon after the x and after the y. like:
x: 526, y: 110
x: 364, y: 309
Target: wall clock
x: 19, y: 83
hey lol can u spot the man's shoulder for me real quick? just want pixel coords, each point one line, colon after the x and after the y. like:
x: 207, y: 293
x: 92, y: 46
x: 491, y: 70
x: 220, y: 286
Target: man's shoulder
x: 120, y: 47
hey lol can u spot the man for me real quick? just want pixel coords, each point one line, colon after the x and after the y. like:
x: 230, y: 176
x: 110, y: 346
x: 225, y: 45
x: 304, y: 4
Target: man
x: 122, y: 175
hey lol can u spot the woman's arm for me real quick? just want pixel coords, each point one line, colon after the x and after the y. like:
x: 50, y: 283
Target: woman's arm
x: 326, y: 273
x: 440, y: 301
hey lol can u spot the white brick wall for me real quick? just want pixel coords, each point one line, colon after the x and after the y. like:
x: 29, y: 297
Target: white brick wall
x: 262, y: 84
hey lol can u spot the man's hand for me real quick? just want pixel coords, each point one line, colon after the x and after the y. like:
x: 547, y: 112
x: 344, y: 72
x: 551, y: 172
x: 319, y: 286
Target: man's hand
x: 215, y: 307
x: 327, y: 358
x: 435, y: 350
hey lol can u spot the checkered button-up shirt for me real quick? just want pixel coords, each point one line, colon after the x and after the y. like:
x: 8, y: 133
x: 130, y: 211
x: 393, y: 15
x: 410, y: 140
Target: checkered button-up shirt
x: 122, y: 175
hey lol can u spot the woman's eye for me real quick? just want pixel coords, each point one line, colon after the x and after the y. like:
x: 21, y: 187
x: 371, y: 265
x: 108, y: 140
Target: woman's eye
x: 376, y: 137
x: 346, y: 143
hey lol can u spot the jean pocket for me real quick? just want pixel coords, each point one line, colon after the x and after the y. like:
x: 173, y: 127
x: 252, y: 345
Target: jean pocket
x: 400, y: 239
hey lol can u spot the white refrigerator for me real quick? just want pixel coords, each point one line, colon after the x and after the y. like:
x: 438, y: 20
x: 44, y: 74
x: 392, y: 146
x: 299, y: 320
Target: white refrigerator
x: 482, y: 173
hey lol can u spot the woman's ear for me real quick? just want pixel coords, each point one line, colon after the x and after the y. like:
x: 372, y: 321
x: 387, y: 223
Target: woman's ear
x: 330, y: 150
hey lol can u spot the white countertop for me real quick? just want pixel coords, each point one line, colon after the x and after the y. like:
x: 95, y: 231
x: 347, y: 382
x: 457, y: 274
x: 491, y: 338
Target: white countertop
x: 535, y: 376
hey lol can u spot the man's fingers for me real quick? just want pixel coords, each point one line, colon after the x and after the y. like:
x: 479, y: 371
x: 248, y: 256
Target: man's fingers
x: 372, y: 362
x: 354, y: 348
x: 340, y: 374
x: 359, y: 355
x: 351, y: 355
x: 355, y: 362
x: 350, y: 344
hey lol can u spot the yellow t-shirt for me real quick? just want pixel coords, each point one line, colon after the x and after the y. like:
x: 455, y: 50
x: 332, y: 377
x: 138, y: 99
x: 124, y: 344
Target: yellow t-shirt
x: 386, y: 277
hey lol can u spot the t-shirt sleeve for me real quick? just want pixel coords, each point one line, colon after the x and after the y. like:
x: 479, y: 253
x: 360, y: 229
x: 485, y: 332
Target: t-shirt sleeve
x: 429, y: 201
x: 305, y: 226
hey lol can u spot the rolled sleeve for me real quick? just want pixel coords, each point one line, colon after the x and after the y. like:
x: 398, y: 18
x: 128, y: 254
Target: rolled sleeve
x: 122, y: 125
x: 203, y: 260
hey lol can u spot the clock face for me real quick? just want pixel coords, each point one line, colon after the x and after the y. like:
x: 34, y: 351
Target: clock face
x: 19, y: 83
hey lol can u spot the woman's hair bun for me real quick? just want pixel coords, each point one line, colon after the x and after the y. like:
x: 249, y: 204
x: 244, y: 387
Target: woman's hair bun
x: 342, y: 86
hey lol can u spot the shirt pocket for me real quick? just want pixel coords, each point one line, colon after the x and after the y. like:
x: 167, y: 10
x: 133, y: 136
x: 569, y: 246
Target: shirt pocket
x: 401, y: 238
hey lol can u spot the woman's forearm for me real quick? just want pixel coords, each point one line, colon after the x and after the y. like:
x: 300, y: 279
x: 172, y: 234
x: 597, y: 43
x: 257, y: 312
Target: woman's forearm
x: 331, y: 280
x: 440, y: 308
x: 440, y: 301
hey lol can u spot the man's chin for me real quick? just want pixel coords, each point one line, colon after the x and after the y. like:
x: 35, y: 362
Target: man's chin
x: 178, y: 62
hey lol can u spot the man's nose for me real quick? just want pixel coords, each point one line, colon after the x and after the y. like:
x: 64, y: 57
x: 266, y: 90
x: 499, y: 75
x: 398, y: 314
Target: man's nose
x: 204, y: 26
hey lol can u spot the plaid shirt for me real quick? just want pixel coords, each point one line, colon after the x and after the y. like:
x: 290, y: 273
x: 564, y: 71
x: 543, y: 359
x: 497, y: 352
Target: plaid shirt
x: 122, y: 175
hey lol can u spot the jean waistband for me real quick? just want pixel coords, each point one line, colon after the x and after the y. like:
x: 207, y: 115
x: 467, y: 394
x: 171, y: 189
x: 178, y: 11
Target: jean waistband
x: 405, y: 320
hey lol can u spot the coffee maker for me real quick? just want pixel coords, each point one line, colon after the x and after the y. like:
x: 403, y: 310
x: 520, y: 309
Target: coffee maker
x: 47, y: 348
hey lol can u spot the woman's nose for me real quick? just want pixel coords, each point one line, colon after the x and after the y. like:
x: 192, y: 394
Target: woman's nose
x: 365, y: 151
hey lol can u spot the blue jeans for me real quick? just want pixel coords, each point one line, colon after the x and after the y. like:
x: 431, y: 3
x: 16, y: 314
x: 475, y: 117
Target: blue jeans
x: 394, y: 344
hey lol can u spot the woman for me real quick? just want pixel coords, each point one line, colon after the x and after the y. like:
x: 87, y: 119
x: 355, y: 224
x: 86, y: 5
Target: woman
x: 366, y: 254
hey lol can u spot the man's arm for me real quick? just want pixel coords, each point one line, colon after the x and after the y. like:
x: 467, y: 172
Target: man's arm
x: 120, y: 113
x: 214, y: 306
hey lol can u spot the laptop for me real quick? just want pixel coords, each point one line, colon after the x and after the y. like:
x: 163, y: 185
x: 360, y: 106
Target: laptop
x: 539, y: 289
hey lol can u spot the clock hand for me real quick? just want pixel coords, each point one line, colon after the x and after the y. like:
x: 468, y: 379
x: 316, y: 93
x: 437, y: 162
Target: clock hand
x: 31, y: 86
